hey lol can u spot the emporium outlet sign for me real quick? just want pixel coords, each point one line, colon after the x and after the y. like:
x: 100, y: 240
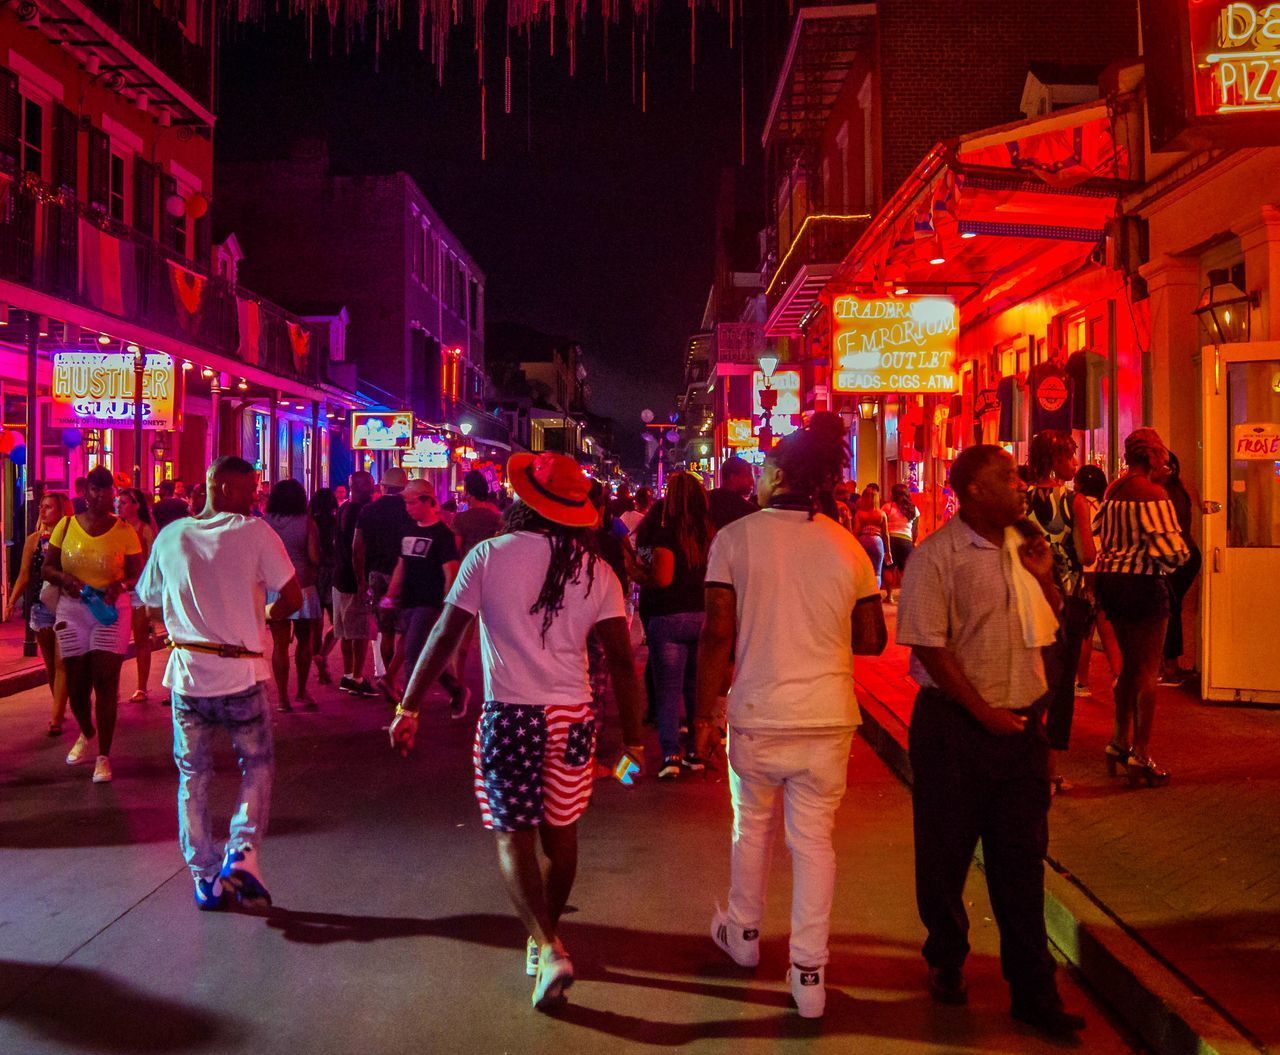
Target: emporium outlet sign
x: 895, y: 344
x: 95, y: 390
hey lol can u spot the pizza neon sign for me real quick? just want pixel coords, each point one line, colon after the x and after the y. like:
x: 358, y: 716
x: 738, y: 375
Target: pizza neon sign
x: 1236, y: 57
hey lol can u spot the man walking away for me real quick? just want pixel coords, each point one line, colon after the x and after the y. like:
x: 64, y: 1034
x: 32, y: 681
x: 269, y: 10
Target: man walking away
x: 479, y: 521
x: 538, y: 590
x: 380, y: 529
x: 352, y: 614
x: 208, y: 578
x: 732, y: 499
x: 795, y: 596
x: 978, y: 604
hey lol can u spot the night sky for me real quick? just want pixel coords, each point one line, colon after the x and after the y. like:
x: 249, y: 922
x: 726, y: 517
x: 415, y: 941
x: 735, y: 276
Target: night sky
x: 591, y: 219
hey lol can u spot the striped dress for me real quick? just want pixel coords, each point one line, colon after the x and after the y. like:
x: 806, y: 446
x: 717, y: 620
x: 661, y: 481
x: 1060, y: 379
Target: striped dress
x: 1138, y: 538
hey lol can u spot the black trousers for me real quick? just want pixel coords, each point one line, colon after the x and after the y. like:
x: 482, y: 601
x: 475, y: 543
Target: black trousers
x: 971, y: 785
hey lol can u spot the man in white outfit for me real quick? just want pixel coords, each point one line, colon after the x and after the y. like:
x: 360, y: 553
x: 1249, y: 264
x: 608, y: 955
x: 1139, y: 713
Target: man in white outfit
x: 792, y: 596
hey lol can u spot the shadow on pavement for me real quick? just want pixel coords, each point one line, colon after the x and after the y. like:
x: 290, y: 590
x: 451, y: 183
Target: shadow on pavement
x: 87, y: 1009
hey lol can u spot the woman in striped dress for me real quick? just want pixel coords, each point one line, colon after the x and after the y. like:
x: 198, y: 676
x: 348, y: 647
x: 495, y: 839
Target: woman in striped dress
x: 1140, y: 543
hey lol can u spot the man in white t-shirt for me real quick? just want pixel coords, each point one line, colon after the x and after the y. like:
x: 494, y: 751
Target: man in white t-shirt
x: 539, y: 591
x: 207, y: 578
x: 793, y: 596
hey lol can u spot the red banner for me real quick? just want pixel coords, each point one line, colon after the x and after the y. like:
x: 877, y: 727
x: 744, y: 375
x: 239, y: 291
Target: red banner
x: 250, y: 323
x: 108, y: 277
x: 300, y: 340
x: 188, y: 292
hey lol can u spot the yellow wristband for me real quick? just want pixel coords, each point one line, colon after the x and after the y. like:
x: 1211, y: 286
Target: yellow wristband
x: 403, y: 712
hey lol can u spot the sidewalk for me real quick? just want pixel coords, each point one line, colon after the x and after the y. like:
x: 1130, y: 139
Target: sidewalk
x: 1178, y: 887
x: 17, y: 672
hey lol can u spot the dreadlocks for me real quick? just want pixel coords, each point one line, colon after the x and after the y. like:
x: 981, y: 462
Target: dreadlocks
x: 570, y: 548
x: 812, y: 461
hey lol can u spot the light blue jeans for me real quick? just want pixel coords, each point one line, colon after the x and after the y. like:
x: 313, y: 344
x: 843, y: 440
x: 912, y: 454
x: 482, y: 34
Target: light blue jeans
x: 196, y: 721
x: 673, y: 646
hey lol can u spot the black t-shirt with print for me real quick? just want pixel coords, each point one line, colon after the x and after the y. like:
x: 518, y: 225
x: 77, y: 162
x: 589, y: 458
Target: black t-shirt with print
x: 426, y: 550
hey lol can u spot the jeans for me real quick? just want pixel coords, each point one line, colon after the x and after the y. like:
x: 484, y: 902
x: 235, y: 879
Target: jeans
x: 810, y: 770
x: 874, y: 545
x: 196, y: 721
x: 673, y: 647
x: 417, y: 624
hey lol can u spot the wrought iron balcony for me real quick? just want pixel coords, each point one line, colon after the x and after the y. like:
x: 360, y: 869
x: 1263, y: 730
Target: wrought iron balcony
x: 806, y: 265
x: 62, y: 247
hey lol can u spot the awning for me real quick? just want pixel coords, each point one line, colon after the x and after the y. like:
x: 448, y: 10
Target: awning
x: 985, y: 215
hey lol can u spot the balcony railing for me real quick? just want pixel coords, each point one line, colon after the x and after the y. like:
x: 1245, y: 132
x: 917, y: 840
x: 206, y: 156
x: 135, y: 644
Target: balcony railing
x: 159, y: 36
x: 740, y: 343
x: 64, y: 248
x: 821, y: 240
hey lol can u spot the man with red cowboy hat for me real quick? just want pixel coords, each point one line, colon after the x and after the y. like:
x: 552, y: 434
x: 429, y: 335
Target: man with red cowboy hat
x: 539, y: 590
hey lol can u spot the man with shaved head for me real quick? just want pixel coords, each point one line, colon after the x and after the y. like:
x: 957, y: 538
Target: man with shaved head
x: 208, y: 578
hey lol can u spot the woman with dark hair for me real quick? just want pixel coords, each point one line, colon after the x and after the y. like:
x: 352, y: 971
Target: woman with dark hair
x: 135, y: 510
x: 95, y: 558
x: 902, y: 518
x: 538, y: 589
x: 1141, y: 543
x: 288, y: 516
x: 324, y: 512
x: 675, y: 604
x: 1183, y: 577
x: 54, y: 508
x: 792, y: 596
x: 1055, y: 509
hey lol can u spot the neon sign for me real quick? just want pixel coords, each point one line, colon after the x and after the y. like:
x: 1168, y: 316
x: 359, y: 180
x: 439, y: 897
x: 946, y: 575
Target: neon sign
x: 738, y: 433
x: 95, y: 390
x: 895, y: 344
x: 390, y: 431
x: 1235, y: 57
x: 429, y: 452
x: 785, y: 416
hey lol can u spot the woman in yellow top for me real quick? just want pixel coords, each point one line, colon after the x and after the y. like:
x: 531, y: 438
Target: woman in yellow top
x: 53, y: 507
x: 98, y: 550
x: 135, y: 510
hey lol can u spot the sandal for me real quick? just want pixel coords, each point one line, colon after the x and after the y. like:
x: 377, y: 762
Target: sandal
x: 1117, y: 756
x: 140, y: 696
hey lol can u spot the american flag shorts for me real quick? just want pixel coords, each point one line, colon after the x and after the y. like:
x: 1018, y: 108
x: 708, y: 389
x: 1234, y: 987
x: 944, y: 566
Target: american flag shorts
x: 533, y: 764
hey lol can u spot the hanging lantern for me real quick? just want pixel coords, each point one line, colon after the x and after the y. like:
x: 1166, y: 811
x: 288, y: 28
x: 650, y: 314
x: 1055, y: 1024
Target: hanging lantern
x: 197, y: 206
x: 174, y: 206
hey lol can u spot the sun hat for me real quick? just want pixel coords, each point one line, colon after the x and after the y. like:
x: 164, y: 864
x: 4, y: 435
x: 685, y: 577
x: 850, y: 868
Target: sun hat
x: 554, y: 486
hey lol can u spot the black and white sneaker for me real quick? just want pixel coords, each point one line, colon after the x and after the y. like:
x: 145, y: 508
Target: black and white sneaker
x: 363, y: 688
x: 808, y: 990
x: 347, y: 683
x: 693, y: 763
x: 741, y: 945
x: 670, y: 768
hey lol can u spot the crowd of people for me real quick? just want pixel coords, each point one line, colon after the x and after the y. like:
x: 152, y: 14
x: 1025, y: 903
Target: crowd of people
x: 753, y: 597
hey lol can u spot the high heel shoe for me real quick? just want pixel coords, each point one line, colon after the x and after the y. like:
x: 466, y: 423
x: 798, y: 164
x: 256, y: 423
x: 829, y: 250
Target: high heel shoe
x: 1143, y: 769
x: 1117, y: 757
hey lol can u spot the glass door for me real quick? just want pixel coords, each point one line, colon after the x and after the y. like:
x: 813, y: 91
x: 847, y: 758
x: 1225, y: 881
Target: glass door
x: 1241, y: 616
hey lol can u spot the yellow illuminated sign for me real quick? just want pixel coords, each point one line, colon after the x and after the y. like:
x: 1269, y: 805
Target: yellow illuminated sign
x: 895, y: 344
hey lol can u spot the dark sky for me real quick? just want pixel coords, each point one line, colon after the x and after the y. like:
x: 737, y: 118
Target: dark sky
x: 591, y: 219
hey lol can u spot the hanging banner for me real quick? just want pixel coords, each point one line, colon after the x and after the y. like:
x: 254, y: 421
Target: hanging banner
x: 895, y: 344
x: 188, y: 293
x: 108, y: 274
x: 300, y: 342
x: 249, y: 318
x: 95, y: 390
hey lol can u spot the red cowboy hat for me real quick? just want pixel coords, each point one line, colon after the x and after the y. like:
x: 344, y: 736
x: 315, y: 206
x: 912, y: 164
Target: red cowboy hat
x: 554, y: 486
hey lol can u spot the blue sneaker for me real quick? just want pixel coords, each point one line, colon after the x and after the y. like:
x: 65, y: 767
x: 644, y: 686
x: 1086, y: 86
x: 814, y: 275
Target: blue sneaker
x: 240, y: 875
x: 210, y: 896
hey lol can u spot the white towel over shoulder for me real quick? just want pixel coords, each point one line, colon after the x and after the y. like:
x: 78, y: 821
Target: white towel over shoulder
x: 1039, y: 624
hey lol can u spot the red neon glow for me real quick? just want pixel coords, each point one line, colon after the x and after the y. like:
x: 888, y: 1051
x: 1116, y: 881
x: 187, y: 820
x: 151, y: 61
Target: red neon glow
x: 1235, y: 56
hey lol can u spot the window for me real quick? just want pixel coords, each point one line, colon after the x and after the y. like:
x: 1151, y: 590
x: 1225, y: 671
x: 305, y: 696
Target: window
x: 32, y: 159
x: 415, y: 237
x: 475, y: 305
x: 115, y: 204
x: 428, y: 259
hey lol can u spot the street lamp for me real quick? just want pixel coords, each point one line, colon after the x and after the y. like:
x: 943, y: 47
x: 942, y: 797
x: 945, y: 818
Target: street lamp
x: 465, y: 427
x: 1225, y: 310
x: 768, y: 400
x: 868, y: 407
x: 768, y: 364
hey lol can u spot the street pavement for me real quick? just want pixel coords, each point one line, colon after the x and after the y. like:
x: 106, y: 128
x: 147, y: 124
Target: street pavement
x: 1191, y: 869
x: 392, y: 933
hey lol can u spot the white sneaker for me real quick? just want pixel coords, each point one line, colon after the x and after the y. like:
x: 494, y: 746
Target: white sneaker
x: 81, y: 751
x: 531, y: 958
x: 102, y: 770
x: 808, y: 990
x: 555, y: 976
x: 741, y: 946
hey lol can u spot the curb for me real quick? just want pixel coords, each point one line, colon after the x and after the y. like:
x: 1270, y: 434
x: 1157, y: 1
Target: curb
x: 1150, y: 998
